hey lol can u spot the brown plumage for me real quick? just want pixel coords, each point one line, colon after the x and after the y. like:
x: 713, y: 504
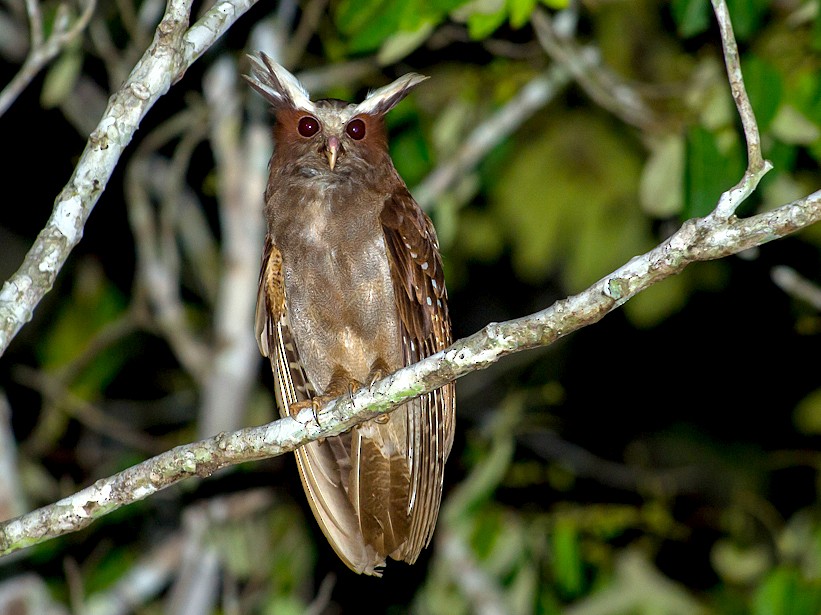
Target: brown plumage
x: 351, y: 289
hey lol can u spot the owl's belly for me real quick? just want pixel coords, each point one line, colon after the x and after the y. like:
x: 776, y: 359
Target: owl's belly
x: 342, y: 310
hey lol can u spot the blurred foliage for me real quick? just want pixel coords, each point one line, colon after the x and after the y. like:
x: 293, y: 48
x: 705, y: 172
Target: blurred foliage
x: 664, y: 462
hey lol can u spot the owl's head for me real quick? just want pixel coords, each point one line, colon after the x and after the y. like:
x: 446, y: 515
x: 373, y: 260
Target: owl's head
x: 326, y: 136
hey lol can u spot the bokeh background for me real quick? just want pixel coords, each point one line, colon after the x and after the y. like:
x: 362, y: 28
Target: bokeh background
x: 664, y: 460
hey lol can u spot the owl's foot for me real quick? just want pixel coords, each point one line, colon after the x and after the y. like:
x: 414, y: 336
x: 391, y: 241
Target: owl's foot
x: 315, y: 403
x: 379, y: 370
x: 341, y: 381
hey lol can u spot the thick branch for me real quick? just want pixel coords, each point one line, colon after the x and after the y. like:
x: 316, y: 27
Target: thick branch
x: 699, y: 239
x: 174, y: 49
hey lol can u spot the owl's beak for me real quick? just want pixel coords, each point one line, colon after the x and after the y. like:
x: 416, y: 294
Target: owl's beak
x: 331, y: 151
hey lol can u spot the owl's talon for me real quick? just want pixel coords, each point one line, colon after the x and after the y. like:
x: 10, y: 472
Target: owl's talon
x: 376, y: 376
x: 315, y: 403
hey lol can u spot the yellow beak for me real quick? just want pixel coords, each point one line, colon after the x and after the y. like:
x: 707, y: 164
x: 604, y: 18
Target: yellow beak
x: 331, y: 151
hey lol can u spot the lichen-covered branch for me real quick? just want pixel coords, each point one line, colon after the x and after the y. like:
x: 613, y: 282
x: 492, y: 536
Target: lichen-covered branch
x: 697, y: 240
x: 714, y: 236
x: 174, y: 48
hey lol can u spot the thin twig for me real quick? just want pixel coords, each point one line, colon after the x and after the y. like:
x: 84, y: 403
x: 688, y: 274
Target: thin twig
x: 600, y: 83
x: 532, y: 97
x: 322, y: 599
x: 141, y: 583
x: 481, y: 589
x: 155, y: 239
x: 795, y: 285
x: 35, y: 23
x: 757, y: 167
x: 742, y: 100
x: 312, y: 13
x: 42, y: 52
x: 94, y: 418
x: 174, y: 49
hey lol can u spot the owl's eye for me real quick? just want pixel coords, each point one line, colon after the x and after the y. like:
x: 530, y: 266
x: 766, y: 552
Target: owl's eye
x: 308, y: 126
x: 355, y: 129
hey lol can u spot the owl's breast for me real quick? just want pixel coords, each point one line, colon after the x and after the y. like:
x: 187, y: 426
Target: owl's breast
x: 339, y: 293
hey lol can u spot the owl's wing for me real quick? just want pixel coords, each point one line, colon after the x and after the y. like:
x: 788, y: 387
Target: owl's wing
x: 421, y: 302
x: 321, y: 465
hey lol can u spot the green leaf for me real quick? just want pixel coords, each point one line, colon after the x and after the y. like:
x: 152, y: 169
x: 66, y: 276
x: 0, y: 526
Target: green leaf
x: 353, y: 15
x: 746, y: 16
x: 368, y: 23
x: 446, y: 6
x: 709, y: 172
x: 108, y: 569
x: 409, y: 151
x: 480, y: 238
x: 807, y: 415
x: 567, y: 559
x: 556, y: 4
x: 482, y: 25
x: 61, y: 77
x: 786, y: 592
x: 654, y: 304
x: 399, y: 45
x: 692, y: 17
x: 661, y: 190
x: 791, y: 126
x: 740, y: 564
x: 571, y: 191
x: 520, y: 11
x: 804, y: 93
x: 395, y: 27
x: 94, y: 302
x: 764, y: 86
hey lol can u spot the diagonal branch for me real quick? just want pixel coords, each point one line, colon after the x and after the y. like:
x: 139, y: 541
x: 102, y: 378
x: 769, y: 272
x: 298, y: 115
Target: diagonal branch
x: 715, y: 236
x: 697, y: 240
x: 174, y: 49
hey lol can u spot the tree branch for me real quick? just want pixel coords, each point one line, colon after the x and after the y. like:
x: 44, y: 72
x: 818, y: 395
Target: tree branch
x: 714, y: 236
x: 487, y: 135
x: 42, y: 52
x: 697, y: 240
x: 174, y: 49
x: 757, y: 167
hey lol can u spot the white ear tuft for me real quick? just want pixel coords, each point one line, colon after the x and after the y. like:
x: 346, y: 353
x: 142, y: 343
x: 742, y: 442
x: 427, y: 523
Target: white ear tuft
x: 277, y: 85
x: 380, y: 101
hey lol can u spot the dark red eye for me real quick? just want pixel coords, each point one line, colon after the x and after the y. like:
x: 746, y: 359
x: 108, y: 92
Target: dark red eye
x: 355, y: 129
x: 308, y: 126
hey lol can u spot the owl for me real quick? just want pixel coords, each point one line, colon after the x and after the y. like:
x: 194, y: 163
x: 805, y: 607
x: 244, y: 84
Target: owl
x: 351, y: 289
